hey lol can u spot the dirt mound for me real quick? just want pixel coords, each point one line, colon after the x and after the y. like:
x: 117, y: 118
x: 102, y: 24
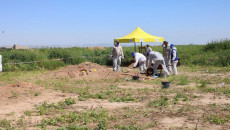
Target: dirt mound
x: 22, y: 84
x: 86, y: 70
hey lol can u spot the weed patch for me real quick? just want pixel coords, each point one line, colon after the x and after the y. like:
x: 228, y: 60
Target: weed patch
x: 217, y: 119
x: 129, y: 127
x: 162, y: 101
x: 46, y: 109
x: 5, y: 124
x: 82, y: 118
x: 183, y: 80
x: 73, y: 127
x: 179, y: 96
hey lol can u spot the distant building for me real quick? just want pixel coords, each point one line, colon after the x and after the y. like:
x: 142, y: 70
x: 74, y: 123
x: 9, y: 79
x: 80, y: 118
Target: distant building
x: 5, y: 47
x: 16, y: 46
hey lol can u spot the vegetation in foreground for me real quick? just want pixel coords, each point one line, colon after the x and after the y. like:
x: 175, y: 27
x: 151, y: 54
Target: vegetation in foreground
x: 183, y: 100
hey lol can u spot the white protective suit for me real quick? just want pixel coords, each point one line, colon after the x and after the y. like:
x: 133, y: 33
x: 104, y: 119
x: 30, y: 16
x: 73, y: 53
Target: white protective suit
x: 141, y: 59
x: 117, y: 54
x: 158, y: 58
x: 166, y: 54
x: 174, y: 60
x: 149, y: 49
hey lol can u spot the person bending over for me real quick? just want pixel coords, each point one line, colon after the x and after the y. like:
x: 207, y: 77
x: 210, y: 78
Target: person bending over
x: 141, y: 59
x: 158, y: 58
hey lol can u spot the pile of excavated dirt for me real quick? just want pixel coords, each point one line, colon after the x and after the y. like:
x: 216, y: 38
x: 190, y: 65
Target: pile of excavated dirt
x: 86, y: 70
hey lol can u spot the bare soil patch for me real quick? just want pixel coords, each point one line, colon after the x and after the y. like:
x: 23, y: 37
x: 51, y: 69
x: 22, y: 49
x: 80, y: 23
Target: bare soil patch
x: 210, y: 98
x: 84, y: 71
x: 93, y: 103
x: 17, y: 90
x: 19, y: 97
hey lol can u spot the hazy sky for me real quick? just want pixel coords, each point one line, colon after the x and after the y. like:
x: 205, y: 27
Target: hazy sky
x: 98, y: 22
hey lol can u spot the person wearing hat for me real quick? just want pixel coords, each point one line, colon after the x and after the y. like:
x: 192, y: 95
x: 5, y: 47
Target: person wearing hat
x: 174, y: 59
x: 158, y: 58
x: 138, y: 57
x: 117, y: 55
x: 167, y: 54
x: 149, y: 49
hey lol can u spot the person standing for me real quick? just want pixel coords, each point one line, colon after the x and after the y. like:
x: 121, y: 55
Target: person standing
x: 117, y: 55
x: 158, y: 58
x: 149, y: 49
x: 141, y: 59
x: 174, y: 58
x: 166, y: 54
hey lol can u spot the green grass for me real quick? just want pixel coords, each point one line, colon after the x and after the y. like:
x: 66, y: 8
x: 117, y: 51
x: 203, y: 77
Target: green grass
x: 48, y: 109
x: 190, y: 55
x: 180, y: 96
x: 28, y: 113
x: 6, y: 124
x: 162, y: 101
x: 73, y: 127
x: 217, y: 119
x: 183, y: 80
x: 129, y: 127
x: 81, y: 118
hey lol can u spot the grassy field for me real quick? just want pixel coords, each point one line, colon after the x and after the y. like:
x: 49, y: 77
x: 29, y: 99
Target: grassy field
x: 63, y: 97
x: 215, y: 53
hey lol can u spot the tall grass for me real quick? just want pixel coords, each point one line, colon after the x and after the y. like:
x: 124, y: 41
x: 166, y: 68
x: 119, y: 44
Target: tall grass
x: 216, y: 53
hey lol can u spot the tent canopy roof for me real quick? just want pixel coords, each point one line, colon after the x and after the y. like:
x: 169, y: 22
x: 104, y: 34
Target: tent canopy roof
x: 138, y: 35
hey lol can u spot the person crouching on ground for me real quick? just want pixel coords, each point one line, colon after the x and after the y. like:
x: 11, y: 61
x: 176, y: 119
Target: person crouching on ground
x: 117, y: 55
x: 158, y: 58
x: 141, y: 59
x: 174, y: 59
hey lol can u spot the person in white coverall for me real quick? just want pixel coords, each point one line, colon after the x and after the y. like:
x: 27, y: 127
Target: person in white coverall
x: 174, y: 58
x: 117, y: 55
x: 158, y: 58
x: 166, y: 54
x: 141, y: 59
x: 149, y: 49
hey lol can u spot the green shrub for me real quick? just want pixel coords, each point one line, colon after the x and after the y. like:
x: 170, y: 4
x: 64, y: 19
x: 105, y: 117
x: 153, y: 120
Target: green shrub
x: 217, y: 45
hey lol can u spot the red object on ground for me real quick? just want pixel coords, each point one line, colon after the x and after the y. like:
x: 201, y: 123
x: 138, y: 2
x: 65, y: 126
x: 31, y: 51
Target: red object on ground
x: 159, y: 66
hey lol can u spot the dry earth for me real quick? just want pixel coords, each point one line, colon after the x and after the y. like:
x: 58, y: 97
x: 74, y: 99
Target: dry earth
x: 96, y: 87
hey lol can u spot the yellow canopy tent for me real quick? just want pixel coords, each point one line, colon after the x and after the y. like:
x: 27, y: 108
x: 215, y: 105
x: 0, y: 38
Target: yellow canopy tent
x: 138, y: 35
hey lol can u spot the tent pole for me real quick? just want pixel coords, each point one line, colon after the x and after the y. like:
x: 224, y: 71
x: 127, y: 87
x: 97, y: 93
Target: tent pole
x: 135, y: 46
x: 141, y: 47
